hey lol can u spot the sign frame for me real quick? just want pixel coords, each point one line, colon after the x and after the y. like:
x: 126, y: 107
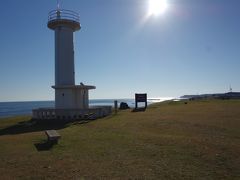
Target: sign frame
x: 140, y: 98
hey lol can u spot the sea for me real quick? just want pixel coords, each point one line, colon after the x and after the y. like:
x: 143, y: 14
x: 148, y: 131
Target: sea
x: 8, y: 109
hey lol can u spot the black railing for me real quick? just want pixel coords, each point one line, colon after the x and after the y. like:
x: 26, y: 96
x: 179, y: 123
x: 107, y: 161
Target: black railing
x: 64, y: 15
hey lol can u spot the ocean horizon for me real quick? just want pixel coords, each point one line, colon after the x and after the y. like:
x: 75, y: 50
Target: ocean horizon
x: 9, y: 109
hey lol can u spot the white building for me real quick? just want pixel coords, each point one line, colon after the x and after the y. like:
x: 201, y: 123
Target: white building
x: 71, y: 101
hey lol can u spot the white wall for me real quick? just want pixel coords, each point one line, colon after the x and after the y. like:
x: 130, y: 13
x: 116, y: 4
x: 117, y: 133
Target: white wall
x: 71, y: 98
x: 64, y: 56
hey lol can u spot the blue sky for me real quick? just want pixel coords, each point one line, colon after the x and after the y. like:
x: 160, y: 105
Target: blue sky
x: 194, y: 47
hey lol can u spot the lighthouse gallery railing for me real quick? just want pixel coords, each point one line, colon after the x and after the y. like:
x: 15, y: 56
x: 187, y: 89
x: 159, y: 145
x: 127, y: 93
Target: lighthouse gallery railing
x: 63, y: 14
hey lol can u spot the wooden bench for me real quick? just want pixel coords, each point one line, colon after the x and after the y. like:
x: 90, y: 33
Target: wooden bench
x: 53, y: 136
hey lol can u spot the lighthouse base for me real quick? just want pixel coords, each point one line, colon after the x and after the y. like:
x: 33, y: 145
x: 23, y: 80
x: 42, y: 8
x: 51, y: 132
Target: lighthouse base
x: 72, y: 96
x: 92, y: 112
x: 71, y: 103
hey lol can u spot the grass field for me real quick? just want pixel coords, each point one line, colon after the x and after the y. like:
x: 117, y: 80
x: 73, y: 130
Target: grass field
x: 171, y: 140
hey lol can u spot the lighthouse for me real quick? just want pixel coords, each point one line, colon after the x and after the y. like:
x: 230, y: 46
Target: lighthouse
x: 67, y: 95
x: 71, y: 100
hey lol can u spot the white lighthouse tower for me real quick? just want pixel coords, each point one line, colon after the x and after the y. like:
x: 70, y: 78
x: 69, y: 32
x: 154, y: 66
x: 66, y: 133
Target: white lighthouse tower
x: 67, y: 94
x: 71, y: 101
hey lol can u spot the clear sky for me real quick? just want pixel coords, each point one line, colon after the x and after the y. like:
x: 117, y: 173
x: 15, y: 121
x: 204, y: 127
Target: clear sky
x: 193, y: 47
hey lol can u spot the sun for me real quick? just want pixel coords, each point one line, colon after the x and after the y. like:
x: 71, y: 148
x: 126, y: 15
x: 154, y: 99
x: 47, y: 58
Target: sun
x: 157, y: 7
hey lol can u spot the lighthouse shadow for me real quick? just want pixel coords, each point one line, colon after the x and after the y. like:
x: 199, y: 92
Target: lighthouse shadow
x: 29, y: 126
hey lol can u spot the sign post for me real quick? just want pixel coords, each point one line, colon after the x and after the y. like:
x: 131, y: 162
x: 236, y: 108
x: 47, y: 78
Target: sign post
x: 115, y: 106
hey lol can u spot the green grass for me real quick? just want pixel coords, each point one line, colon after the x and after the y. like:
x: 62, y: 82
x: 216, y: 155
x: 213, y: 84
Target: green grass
x: 171, y: 140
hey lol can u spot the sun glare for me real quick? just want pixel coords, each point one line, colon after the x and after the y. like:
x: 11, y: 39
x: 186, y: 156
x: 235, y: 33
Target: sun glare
x: 157, y: 7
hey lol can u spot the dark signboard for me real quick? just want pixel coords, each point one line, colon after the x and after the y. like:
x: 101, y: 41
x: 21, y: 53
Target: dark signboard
x: 140, y: 98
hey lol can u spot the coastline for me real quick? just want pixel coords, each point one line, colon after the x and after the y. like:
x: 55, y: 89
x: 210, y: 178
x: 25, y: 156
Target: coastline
x: 23, y: 108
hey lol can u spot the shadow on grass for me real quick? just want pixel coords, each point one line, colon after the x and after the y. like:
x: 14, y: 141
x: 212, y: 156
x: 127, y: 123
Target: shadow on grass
x: 139, y: 109
x: 34, y: 126
x: 44, y: 145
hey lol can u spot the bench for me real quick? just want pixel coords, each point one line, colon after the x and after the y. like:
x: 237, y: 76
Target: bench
x: 53, y: 136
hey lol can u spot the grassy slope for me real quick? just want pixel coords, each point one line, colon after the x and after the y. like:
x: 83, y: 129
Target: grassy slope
x: 173, y: 140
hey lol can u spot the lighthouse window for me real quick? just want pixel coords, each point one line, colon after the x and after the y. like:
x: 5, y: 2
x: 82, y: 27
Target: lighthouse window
x: 62, y: 94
